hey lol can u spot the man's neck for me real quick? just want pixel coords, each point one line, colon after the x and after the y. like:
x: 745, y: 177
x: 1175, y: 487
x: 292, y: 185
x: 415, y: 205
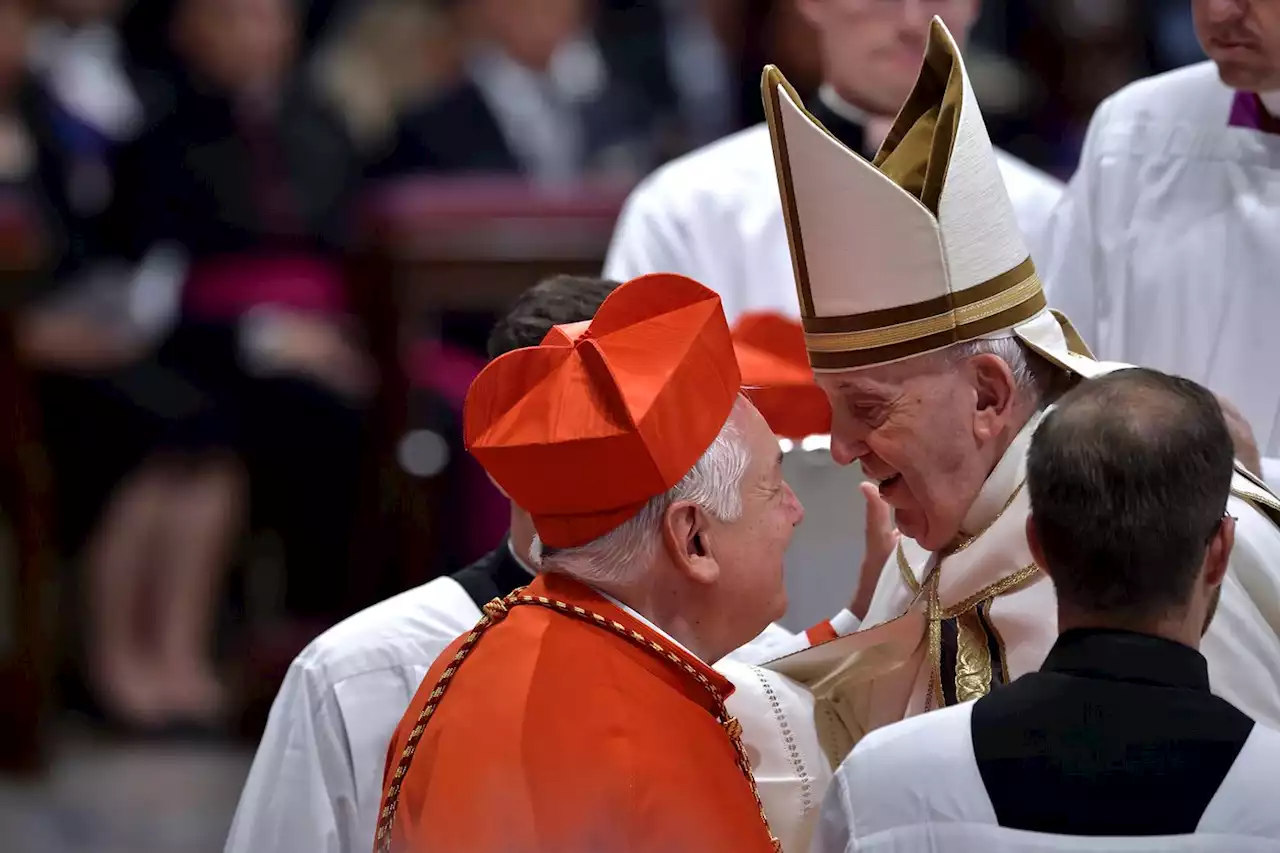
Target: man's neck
x: 1183, y: 631
x: 1004, y: 478
x: 875, y: 127
x: 521, y: 535
x: 657, y: 608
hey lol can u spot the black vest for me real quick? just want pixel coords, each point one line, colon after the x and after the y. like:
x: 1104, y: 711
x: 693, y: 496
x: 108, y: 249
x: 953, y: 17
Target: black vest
x: 494, y: 575
x: 1117, y: 734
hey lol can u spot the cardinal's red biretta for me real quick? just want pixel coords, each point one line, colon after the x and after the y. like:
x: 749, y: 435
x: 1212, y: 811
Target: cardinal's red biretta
x: 563, y: 723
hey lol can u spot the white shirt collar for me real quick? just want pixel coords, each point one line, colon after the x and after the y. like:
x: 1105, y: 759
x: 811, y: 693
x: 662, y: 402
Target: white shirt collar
x: 641, y: 617
x: 1007, y: 476
x: 515, y: 555
x: 838, y: 105
x: 1271, y: 100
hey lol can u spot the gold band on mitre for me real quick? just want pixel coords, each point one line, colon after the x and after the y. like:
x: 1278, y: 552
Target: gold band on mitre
x: 892, y: 334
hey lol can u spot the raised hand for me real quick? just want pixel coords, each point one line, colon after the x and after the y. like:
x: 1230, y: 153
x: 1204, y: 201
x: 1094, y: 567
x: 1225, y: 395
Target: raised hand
x: 881, y: 539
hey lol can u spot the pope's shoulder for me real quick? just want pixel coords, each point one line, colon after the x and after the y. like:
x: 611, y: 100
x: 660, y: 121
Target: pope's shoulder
x: 729, y: 171
x: 1177, y: 95
x: 408, y: 629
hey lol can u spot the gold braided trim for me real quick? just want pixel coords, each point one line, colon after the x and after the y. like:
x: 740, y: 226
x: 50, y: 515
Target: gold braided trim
x: 1263, y: 497
x: 965, y: 543
x: 1005, y: 586
x: 908, y: 574
x: 495, y: 611
x: 934, y: 698
x: 899, y: 333
x: 937, y: 614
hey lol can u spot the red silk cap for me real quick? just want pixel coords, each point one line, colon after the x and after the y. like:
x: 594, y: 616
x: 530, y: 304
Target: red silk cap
x: 584, y: 429
x: 777, y: 377
x: 565, y: 334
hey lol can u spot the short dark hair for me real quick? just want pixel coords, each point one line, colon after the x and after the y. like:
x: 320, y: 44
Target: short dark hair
x: 550, y: 302
x: 1129, y: 477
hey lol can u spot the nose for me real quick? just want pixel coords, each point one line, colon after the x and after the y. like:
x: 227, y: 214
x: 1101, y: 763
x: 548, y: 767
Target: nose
x: 848, y: 439
x: 846, y: 450
x: 796, y: 508
x: 848, y: 434
x: 914, y: 15
x: 1224, y: 11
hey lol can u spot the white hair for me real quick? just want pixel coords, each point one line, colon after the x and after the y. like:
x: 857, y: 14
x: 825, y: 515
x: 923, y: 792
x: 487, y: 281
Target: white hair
x: 1029, y: 376
x: 714, y: 484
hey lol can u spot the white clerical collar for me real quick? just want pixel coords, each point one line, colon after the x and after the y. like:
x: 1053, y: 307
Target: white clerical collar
x: 641, y: 617
x: 1271, y: 100
x: 1009, y: 473
x: 838, y: 105
x: 519, y: 558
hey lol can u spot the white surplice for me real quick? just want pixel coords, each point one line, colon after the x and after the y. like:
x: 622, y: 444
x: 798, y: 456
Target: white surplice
x: 316, y: 780
x: 1165, y: 250
x: 715, y: 215
x: 916, y: 787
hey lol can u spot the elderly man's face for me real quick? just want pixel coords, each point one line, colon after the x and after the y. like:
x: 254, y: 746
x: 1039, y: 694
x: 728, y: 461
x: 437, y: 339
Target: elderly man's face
x: 923, y: 430
x: 1243, y: 38
x: 874, y: 47
x: 751, y: 549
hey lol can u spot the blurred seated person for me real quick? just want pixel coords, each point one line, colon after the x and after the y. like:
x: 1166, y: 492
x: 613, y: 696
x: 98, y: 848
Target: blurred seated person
x: 380, y: 57
x: 146, y: 559
x: 538, y: 98
x: 248, y: 178
x: 683, y: 55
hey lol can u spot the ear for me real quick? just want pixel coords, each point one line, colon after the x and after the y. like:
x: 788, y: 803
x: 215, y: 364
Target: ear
x: 1219, y: 552
x: 1037, y: 550
x: 685, y: 537
x: 994, y: 394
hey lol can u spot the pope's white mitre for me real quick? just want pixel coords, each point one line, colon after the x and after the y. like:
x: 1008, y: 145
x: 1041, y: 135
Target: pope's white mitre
x: 917, y: 250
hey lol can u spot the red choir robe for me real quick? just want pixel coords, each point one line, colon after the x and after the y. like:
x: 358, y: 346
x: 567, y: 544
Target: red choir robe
x: 560, y: 732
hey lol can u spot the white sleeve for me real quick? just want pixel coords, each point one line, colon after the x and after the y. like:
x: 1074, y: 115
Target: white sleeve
x: 834, y: 830
x: 1071, y: 261
x: 776, y: 641
x: 646, y: 237
x: 301, y: 788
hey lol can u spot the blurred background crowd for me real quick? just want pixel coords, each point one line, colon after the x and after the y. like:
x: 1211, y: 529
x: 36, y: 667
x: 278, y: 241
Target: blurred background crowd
x: 250, y: 251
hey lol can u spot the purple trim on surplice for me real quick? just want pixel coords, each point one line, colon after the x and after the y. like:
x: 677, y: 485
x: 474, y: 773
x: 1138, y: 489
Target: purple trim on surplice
x: 1248, y: 112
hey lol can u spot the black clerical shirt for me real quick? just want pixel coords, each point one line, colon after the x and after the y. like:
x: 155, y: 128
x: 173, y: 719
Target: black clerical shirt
x: 1117, y: 734
x: 851, y: 133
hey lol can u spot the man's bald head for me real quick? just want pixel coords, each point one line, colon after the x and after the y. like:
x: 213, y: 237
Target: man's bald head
x: 1129, y: 477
